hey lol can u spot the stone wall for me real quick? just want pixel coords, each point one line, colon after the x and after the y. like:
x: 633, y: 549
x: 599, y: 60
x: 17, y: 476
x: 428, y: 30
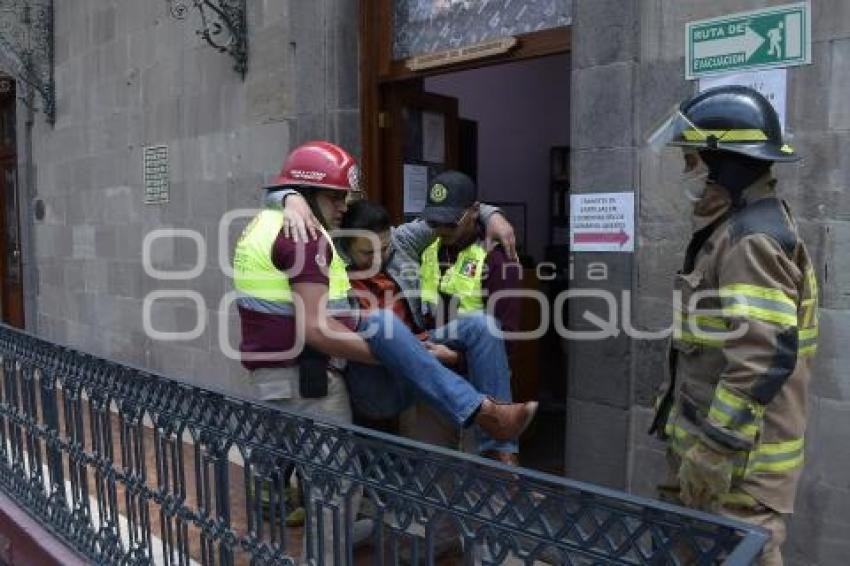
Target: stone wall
x: 628, y: 71
x: 128, y: 75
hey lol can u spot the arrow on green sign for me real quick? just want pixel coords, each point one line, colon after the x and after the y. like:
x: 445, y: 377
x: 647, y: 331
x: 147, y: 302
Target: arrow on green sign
x: 749, y: 44
x: 775, y: 36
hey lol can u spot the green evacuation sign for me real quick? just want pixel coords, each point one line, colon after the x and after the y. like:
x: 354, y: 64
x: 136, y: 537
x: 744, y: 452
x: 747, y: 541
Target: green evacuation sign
x: 780, y: 36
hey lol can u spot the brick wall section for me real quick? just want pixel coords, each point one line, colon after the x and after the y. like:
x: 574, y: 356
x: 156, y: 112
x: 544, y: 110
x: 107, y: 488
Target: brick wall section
x: 128, y: 76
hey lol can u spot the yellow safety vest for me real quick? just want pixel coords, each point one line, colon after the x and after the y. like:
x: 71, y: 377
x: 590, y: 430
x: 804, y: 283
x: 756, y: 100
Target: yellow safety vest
x: 462, y: 280
x: 262, y: 286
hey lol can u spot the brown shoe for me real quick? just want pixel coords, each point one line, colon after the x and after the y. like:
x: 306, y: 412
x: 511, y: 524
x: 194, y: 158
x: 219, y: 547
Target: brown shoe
x: 508, y: 458
x: 505, y: 421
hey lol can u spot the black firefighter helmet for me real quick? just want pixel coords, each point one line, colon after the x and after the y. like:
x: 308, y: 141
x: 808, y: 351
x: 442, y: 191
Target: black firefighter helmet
x: 732, y: 118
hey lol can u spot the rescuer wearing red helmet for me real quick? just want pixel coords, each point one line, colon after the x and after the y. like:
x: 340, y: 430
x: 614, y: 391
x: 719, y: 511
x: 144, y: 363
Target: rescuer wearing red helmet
x: 298, y: 324
x: 279, y: 281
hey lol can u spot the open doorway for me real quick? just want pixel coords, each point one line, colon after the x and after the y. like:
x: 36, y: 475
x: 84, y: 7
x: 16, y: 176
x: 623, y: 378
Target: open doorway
x: 11, y: 275
x: 483, y: 89
x: 507, y: 126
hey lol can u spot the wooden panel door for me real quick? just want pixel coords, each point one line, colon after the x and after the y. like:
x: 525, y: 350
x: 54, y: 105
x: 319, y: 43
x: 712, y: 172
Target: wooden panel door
x: 421, y: 129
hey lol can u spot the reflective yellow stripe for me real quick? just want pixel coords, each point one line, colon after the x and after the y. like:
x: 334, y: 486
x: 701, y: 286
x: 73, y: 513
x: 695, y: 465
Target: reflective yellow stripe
x: 682, y: 440
x: 701, y: 320
x: 781, y: 447
x: 808, y: 333
x: 757, y: 292
x: 718, y: 416
x: 777, y: 457
x: 735, y: 413
x: 760, y: 313
x: 758, y: 303
x: 753, y: 135
x: 739, y: 499
x: 808, y: 351
x: 692, y: 329
x: 808, y: 341
x: 737, y: 402
x: 700, y: 340
x: 809, y: 308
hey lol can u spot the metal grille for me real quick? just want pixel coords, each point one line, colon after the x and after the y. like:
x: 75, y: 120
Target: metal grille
x: 157, y: 187
x: 132, y: 467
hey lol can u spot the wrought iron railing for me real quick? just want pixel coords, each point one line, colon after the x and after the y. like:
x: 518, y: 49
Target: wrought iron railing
x: 128, y: 466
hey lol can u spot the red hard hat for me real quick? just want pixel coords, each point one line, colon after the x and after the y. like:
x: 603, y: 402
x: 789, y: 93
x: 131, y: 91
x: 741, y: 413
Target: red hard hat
x: 318, y: 164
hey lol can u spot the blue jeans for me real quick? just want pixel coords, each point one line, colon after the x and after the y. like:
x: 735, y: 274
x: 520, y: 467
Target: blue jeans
x: 409, y: 372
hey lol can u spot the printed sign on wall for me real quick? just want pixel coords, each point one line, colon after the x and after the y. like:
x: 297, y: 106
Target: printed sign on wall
x: 602, y: 222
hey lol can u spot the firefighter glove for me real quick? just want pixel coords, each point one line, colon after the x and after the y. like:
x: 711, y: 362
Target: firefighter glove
x: 705, y: 475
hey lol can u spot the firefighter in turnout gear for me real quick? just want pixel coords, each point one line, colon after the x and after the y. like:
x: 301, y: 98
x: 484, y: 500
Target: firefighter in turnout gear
x: 734, y: 410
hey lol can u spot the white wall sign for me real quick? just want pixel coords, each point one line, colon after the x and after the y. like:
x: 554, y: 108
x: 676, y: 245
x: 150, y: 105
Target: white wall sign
x: 773, y: 84
x: 415, y: 188
x: 602, y: 222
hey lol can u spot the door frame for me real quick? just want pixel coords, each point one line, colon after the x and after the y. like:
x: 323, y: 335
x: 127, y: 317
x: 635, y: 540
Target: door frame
x: 13, y: 306
x: 379, y: 73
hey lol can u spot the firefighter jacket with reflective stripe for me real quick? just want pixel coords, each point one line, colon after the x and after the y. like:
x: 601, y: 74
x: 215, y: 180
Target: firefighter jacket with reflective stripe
x: 462, y: 280
x: 264, y: 288
x: 744, y: 335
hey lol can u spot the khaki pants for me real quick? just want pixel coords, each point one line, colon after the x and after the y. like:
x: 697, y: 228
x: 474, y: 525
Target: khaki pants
x: 279, y: 386
x: 755, y: 514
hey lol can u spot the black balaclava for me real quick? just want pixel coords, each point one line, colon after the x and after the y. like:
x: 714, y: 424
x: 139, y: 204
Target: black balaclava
x: 733, y: 171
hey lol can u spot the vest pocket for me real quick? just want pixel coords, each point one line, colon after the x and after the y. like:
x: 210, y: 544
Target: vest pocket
x: 698, y: 324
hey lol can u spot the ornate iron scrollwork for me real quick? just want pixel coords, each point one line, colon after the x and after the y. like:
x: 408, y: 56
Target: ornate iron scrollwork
x: 222, y: 25
x: 26, y: 47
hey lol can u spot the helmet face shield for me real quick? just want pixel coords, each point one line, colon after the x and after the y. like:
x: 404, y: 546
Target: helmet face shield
x: 675, y: 129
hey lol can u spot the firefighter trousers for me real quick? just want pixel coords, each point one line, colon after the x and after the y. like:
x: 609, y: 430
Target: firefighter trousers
x: 752, y: 512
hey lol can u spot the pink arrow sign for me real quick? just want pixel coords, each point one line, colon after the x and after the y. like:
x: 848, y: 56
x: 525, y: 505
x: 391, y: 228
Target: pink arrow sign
x: 602, y: 238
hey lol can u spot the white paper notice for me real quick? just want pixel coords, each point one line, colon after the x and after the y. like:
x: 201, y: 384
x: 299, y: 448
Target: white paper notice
x: 602, y: 222
x: 773, y: 84
x: 415, y: 188
x: 433, y: 137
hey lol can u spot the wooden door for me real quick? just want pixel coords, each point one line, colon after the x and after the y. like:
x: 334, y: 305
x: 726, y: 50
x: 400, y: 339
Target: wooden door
x: 420, y: 133
x: 11, y: 275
